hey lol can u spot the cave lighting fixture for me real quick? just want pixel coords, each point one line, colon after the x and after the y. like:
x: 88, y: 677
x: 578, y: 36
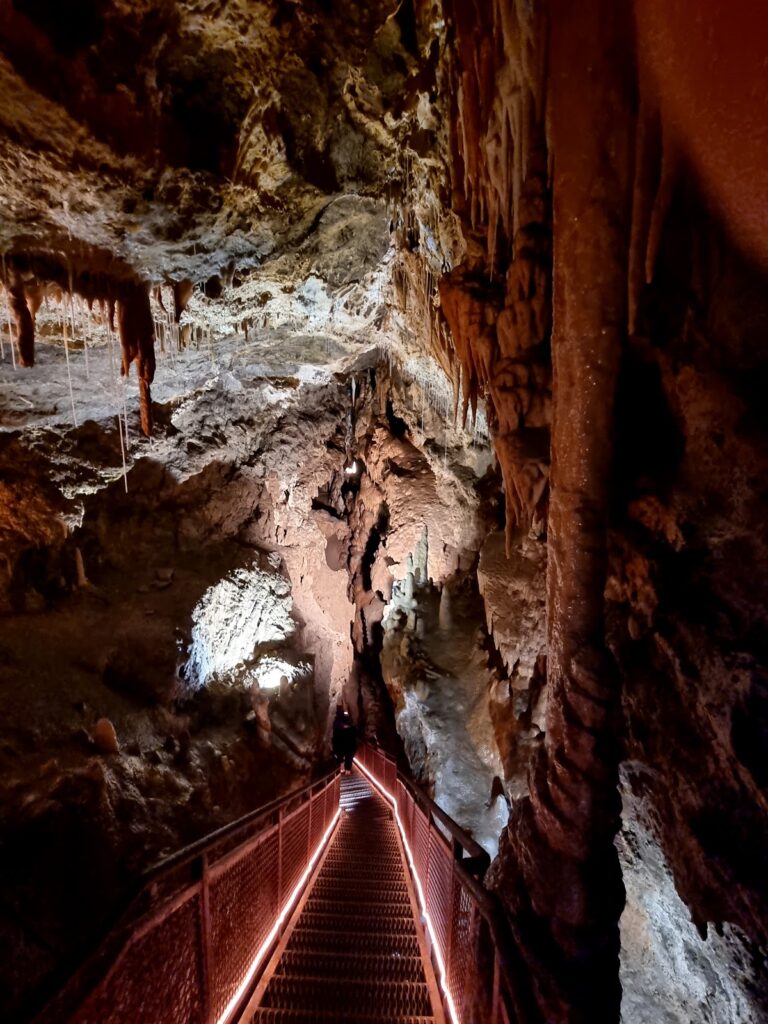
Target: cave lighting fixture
x: 287, y: 907
x: 352, y: 469
x: 422, y: 901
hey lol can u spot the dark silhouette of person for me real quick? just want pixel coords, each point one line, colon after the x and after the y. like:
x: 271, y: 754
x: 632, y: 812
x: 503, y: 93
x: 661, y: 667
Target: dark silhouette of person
x: 344, y: 739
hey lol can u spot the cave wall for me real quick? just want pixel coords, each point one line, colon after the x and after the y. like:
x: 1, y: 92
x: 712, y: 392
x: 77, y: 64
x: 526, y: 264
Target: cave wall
x: 685, y: 437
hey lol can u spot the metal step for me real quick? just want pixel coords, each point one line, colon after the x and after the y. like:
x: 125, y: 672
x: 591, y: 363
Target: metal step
x: 403, y: 998
x: 354, y: 908
x: 333, y: 888
x: 272, y: 1016
x: 335, y: 922
x: 378, y: 943
x: 391, y: 967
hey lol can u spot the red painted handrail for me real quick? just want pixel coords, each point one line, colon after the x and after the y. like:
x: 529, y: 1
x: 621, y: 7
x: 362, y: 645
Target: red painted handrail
x: 204, y: 920
x: 470, y: 941
x: 195, y: 938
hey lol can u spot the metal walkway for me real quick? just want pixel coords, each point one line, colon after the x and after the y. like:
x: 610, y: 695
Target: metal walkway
x: 355, y: 952
x: 344, y: 902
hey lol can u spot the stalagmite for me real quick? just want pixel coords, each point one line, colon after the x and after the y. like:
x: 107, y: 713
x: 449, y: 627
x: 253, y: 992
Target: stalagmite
x: 445, y: 617
x: 82, y: 579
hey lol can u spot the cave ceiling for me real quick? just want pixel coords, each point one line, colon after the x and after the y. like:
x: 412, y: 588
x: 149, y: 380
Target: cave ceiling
x: 255, y: 145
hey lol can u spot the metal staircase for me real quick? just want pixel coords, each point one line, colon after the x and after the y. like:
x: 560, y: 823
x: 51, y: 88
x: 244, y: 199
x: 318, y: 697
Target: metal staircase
x: 355, y: 900
x: 355, y: 952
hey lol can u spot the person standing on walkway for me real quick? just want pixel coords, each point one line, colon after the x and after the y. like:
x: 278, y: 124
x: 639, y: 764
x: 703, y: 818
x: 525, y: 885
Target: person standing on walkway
x: 344, y: 739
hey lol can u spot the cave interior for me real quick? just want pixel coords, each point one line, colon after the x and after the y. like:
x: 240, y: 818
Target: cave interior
x: 406, y: 356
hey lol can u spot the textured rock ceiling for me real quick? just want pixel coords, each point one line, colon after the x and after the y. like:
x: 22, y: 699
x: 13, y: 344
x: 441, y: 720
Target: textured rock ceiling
x: 246, y: 157
x: 187, y: 139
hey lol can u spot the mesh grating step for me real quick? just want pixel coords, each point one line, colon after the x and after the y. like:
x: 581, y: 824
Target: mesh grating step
x: 270, y: 1016
x: 366, y: 875
x: 357, y: 923
x: 351, y: 908
x: 359, y: 889
x: 365, y: 870
x: 360, y: 900
x: 393, y: 967
x: 409, y: 998
x: 378, y: 943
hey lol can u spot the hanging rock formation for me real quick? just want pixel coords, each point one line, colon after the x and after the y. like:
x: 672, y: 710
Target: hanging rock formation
x: 25, y: 327
x: 137, y: 341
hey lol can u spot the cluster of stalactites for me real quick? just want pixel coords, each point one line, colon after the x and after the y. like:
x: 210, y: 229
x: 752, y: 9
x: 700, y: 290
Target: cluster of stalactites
x: 499, y: 74
x: 487, y: 322
x: 124, y: 306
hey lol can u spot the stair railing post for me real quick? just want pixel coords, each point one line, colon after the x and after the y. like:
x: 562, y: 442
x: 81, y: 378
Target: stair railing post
x: 279, y: 860
x: 205, y: 940
x: 451, y: 925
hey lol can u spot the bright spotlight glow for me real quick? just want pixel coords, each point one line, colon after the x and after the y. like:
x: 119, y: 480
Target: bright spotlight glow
x: 420, y: 892
x: 270, y: 671
x: 351, y: 470
x: 287, y: 907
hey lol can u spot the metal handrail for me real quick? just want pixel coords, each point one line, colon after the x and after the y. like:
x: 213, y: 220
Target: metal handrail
x: 466, y: 849
x: 198, y: 933
x: 499, y: 993
x: 258, y: 814
x: 182, y: 883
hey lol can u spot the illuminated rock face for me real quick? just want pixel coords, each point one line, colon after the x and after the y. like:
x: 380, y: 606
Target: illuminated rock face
x: 245, y: 613
x: 454, y: 318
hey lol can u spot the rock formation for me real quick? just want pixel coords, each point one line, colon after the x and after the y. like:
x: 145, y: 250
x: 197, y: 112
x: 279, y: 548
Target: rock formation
x: 447, y: 323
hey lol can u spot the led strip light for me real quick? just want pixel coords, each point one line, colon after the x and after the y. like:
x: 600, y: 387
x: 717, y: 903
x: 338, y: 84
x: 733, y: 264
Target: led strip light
x: 287, y: 907
x: 422, y: 901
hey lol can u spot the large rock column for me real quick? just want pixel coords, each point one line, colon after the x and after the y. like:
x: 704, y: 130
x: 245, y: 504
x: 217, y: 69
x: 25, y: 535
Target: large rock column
x: 561, y: 876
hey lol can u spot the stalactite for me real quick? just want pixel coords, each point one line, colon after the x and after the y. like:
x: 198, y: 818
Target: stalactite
x: 69, y: 367
x: 25, y: 327
x: 670, y: 162
x: 115, y: 379
x: 137, y: 341
x: 647, y: 158
x: 72, y: 312
x: 11, y: 341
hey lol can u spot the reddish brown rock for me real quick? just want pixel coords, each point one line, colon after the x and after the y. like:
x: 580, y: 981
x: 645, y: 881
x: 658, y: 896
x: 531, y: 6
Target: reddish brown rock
x: 137, y: 340
x: 105, y: 737
x: 25, y: 326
